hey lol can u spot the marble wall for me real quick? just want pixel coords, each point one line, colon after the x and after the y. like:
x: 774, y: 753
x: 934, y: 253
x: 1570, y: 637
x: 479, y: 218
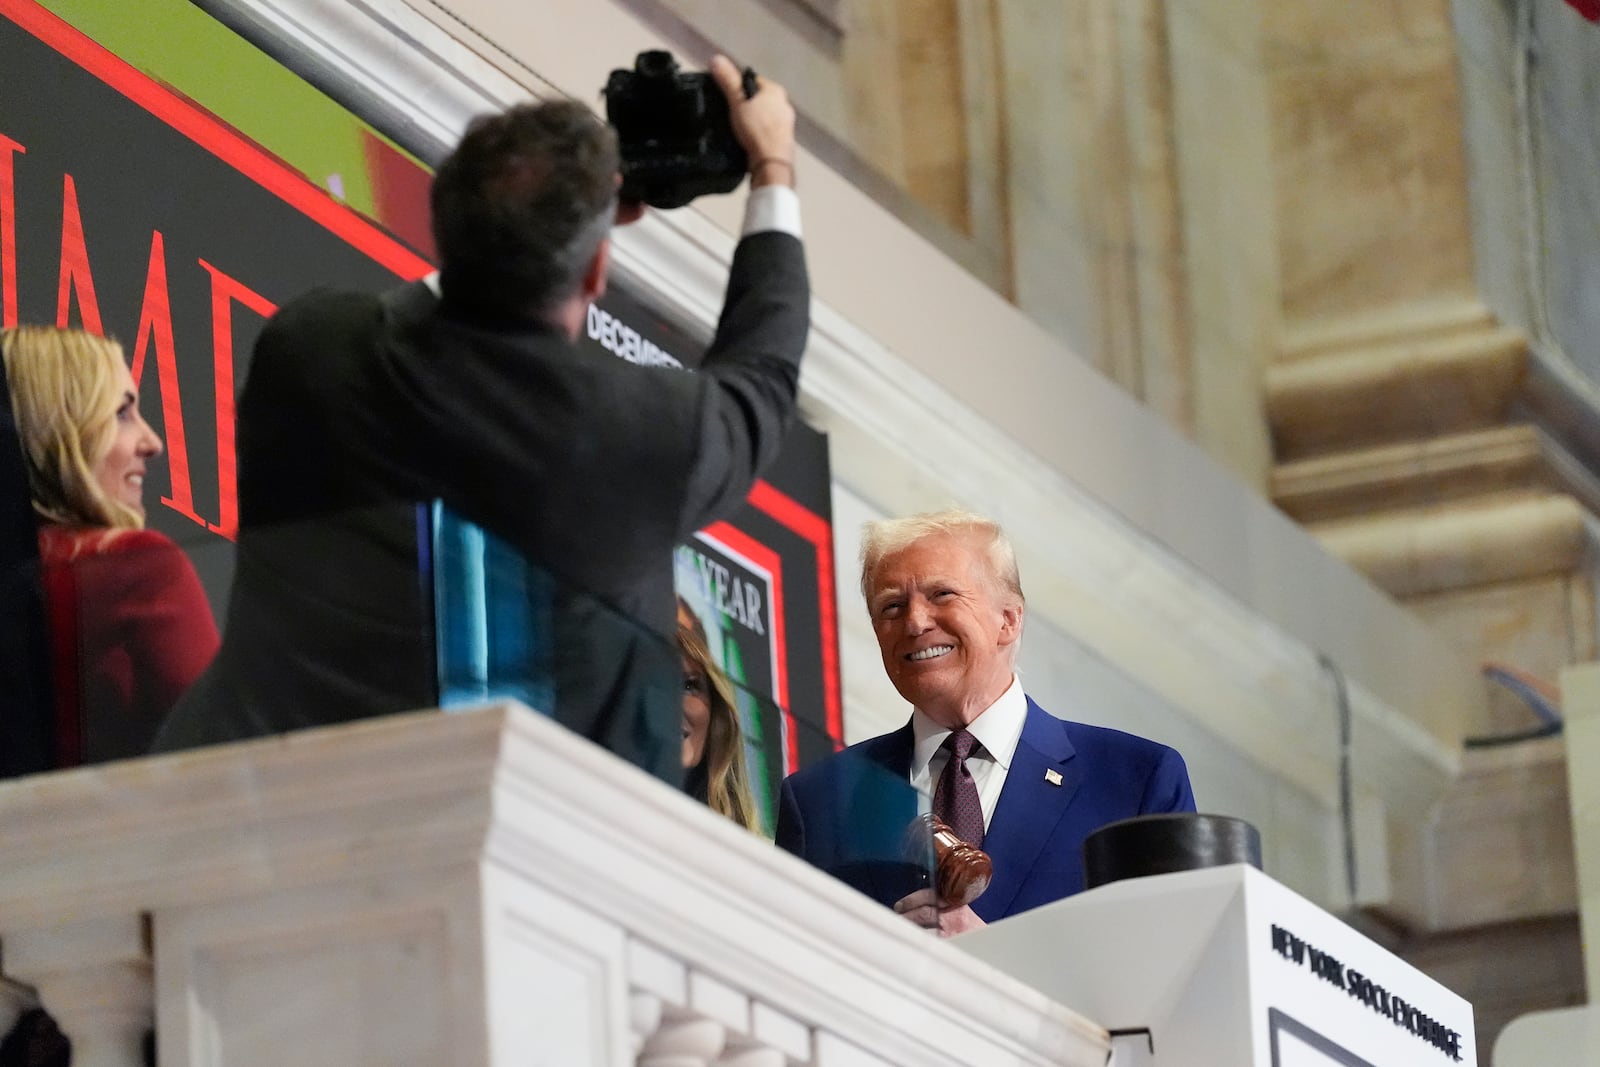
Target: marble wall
x: 1368, y: 169
x: 1563, y: 107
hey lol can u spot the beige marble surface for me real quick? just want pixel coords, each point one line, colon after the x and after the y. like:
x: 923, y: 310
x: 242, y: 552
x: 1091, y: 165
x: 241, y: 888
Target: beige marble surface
x: 1371, y: 181
x: 1230, y: 233
x: 758, y: 35
x: 1298, y: 31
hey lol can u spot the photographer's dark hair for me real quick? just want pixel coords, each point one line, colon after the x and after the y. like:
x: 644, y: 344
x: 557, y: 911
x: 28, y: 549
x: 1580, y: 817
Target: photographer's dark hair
x: 521, y: 205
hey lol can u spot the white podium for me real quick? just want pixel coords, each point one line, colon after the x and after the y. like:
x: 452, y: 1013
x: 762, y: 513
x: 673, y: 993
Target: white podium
x: 1224, y: 967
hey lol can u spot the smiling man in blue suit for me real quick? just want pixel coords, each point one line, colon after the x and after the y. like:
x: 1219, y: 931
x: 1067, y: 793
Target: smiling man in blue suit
x: 1027, y: 787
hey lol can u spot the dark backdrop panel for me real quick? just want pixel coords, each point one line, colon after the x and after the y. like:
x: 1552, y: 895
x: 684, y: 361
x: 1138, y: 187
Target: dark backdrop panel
x: 125, y: 207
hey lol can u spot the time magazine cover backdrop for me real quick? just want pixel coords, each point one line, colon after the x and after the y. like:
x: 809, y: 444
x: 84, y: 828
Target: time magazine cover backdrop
x: 130, y: 210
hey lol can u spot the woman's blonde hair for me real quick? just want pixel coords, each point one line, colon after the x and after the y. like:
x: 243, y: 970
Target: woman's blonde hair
x: 65, y: 395
x: 727, y: 778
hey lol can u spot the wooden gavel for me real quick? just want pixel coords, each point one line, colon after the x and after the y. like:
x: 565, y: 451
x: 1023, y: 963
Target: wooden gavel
x: 961, y: 871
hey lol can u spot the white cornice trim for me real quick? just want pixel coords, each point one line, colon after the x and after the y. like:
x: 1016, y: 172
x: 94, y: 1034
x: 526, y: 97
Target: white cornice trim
x: 428, y: 80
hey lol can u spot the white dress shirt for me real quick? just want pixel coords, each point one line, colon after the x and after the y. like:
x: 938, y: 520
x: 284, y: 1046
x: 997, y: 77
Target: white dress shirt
x: 997, y: 728
x: 772, y: 207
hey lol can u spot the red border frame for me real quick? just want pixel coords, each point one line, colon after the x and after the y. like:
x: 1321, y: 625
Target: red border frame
x: 761, y: 555
x: 813, y: 528
x: 218, y: 138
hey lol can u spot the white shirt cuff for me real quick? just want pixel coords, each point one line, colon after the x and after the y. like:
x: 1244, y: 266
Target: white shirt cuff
x: 772, y: 207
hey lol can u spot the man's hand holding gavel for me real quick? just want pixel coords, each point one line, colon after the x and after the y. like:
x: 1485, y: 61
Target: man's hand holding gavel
x: 961, y: 873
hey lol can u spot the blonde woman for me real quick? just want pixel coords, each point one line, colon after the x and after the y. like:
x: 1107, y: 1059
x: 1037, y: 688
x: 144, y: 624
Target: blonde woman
x: 713, y: 743
x: 130, y: 627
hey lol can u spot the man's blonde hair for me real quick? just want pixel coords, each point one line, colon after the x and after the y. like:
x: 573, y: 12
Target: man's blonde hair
x: 884, y: 537
x: 65, y: 395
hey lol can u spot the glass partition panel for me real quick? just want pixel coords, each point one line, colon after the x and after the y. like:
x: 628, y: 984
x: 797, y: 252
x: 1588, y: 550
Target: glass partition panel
x: 395, y: 608
x: 507, y: 629
x: 399, y: 607
x: 859, y: 821
x: 126, y: 630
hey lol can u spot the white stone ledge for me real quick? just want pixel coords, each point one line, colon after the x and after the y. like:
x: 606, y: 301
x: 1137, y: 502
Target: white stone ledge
x: 256, y: 844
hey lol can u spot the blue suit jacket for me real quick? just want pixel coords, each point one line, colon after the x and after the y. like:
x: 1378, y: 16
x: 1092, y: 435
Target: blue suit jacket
x: 848, y: 814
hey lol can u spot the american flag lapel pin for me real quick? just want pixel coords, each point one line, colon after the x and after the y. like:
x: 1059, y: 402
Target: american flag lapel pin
x: 1052, y: 776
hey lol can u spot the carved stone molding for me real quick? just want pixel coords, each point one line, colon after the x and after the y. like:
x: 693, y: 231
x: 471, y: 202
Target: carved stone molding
x: 1425, y: 550
x: 1500, y: 460
x: 1398, y: 387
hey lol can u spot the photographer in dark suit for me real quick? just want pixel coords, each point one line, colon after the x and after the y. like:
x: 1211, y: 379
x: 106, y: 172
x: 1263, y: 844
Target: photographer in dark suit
x: 471, y: 391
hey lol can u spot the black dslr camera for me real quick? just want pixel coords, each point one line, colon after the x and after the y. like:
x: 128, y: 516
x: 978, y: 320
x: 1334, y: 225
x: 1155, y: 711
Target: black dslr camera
x: 673, y: 128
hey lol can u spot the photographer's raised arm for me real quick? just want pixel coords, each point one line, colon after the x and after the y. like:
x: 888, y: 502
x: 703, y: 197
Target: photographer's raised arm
x: 751, y: 372
x: 763, y: 123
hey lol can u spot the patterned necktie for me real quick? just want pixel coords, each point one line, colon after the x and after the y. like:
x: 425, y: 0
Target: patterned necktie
x: 955, y: 797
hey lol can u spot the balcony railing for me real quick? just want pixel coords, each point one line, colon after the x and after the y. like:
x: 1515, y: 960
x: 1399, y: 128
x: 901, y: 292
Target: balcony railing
x: 474, y: 888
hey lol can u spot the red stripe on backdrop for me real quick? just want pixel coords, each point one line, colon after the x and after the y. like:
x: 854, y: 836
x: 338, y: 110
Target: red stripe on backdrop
x: 218, y: 138
x: 400, y: 188
x: 810, y: 526
x: 1589, y: 9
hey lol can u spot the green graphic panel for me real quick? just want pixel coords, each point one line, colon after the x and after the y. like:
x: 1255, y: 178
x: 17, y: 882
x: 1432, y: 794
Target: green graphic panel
x: 181, y: 46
